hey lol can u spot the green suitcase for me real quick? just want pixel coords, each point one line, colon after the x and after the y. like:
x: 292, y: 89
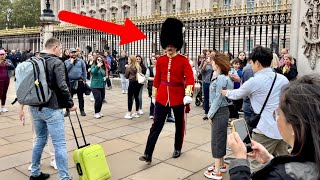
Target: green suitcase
x: 90, y: 160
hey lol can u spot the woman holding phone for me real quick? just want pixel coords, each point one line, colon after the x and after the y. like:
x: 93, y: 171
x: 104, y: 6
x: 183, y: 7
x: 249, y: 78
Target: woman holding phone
x: 6, y: 68
x: 98, y: 84
x: 219, y: 114
x: 298, y: 119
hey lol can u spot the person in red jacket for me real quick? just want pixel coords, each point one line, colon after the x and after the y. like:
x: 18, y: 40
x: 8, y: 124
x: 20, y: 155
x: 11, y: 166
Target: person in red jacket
x: 172, y: 87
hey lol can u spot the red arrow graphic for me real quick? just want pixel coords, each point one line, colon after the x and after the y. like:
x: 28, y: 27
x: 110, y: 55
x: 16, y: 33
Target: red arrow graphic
x: 128, y: 33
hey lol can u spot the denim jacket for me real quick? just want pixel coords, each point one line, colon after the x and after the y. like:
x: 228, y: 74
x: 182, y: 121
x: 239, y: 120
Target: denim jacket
x: 216, y: 100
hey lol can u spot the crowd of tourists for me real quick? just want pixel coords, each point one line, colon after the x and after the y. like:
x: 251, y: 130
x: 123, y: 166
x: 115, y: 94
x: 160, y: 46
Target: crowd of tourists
x: 286, y: 137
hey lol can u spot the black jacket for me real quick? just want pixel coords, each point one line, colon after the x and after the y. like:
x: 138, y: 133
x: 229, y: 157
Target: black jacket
x: 291, y: 75
x: 279, y: 168
x: 57, y: 79
x: 122, y: 65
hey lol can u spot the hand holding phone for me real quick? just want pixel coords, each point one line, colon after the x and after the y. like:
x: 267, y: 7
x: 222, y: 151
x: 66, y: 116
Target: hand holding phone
x: 240, y: 126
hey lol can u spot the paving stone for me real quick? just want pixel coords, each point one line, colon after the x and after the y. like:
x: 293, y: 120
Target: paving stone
x: 17, y: 159
x: 164, y: 148
x: 14, y: 130
x: 19, y: 137
x: 3, y: 141
x: 161, y: 171
x: 142, y: 136
x: 199, y: 159
x: 13, y: 174
x: 117, y: 132
x: 116, y: 123
x: 14, y: 148
x: 116, y: 146
x: 129, y: 164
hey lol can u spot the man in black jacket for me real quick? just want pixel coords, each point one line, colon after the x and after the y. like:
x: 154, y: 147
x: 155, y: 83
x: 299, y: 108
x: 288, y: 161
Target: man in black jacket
x: 49, y: 118
x: 123, y: 62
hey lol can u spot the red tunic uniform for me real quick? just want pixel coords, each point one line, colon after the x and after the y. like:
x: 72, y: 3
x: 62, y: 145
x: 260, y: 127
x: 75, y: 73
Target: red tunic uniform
x: 172, y: 76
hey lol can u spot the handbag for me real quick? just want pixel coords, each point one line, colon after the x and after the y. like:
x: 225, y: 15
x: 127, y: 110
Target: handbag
x: 87, y: 89
x: 141, y: 78
x: 254, y: 119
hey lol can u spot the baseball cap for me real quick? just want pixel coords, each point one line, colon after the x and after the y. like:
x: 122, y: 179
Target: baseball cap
x: 2, y: 51
x: 73, y: 50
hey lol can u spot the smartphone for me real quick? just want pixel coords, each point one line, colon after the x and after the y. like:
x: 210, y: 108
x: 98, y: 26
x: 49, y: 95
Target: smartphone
x: 240, y: 126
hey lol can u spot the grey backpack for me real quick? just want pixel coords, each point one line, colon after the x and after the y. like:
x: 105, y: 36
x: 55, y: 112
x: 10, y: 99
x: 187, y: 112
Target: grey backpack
x: 31, y: 82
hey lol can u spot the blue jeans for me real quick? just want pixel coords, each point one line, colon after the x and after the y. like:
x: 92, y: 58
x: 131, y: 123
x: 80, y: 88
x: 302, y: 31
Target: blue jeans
x: 206, y: 87
x: 140, y: 97
x: 49, y: 121
x: 124, y: 82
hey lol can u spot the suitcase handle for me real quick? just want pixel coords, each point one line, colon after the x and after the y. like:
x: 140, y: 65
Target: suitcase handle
x: 74, y: 133
x: 79, y: 169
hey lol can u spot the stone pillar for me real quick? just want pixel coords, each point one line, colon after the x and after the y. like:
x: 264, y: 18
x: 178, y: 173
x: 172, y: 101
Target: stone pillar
x: 304, y: 40
x: 47, y: 20
x: 178, y: 5
x: 163, y: 4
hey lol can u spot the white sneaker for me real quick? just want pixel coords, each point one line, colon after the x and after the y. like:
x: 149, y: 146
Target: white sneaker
x: 126, y: 92
x: 29, y: 168
x: 140, y: 112
x: 100, y: 114
x: 4, y: 110
x: 97, y: 116
x: 151, y: 117
x: 123, y: 91
x: 91, y: 99
x: 53, y: 164
x: 135, y: 115
x: 128, y: 116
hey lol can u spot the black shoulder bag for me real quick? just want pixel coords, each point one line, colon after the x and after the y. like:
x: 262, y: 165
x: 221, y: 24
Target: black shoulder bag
x: 255, y: 118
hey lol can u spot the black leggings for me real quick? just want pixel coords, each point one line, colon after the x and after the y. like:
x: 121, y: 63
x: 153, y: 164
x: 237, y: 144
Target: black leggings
x: 133, y: 91
x: 98, y: 94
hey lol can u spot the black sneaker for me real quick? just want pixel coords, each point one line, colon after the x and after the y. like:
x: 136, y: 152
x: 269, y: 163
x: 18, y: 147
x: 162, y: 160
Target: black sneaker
x: 83, y: 113
x: 42, y: 176
x: 66, y: 114
x: 176, y: 154
x: 145, y: 158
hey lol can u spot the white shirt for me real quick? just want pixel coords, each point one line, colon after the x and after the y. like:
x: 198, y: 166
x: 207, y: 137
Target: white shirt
x: 257, y: 89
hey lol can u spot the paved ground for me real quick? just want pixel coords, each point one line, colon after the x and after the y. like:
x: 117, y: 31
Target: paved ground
x: 123, y: 141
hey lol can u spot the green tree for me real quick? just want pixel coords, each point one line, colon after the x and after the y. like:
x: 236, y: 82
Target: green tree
x: 5, y: 14
x: 26, y: 12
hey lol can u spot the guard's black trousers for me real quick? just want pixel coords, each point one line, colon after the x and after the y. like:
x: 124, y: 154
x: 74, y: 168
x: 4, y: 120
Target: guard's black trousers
x: 158, y: 123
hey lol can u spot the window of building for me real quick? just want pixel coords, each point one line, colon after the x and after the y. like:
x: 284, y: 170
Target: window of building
x: 125, y: 14
x: 160, y: 9
x: 250, y: 6
x: 249, y: 45
x: 113, y: 15
x: 188, y: 6
x: 74, y: 3
x: 227, y: 6
x: 93, y: 2
x: 82, y: 2
x: 173, y: 8
x: 102, y: 1
x: 103, y: 16
x: 226, y: 45
x: 276, y: 5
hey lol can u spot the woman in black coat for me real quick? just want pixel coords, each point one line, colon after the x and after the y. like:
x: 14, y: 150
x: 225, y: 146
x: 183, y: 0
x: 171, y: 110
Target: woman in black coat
x: 288, y: 69
x: 298, y: 119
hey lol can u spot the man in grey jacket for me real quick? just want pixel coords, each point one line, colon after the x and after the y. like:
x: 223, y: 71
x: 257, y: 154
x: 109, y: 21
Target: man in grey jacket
x: 77, y: 74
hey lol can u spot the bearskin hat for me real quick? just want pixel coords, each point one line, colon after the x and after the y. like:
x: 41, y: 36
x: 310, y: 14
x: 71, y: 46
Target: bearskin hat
x: 171, y: 33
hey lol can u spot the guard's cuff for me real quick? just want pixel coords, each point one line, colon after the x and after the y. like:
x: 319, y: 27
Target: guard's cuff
x: 154, y: 92
x: 188, y: 90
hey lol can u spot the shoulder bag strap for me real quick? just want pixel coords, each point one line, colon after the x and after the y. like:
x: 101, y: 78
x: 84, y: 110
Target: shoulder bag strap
x: 265, y: 102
